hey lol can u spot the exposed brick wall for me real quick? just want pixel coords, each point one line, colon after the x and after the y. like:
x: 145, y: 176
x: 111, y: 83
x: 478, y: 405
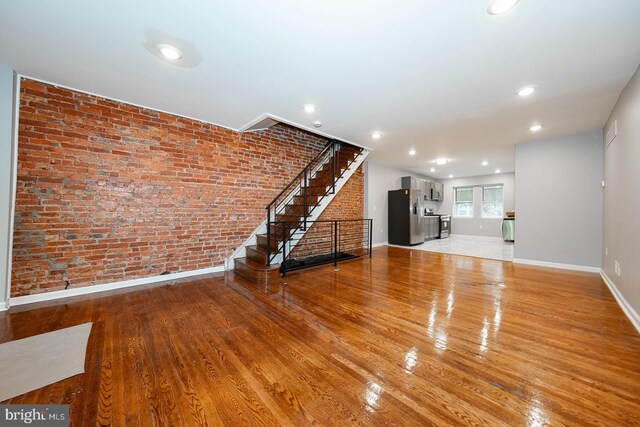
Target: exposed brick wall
x: 108, y: 191
x: 348, y: 204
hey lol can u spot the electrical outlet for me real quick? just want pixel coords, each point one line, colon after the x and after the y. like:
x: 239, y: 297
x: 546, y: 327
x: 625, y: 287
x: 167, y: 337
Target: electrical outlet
x: 381, y: 231
x: 616, y: 267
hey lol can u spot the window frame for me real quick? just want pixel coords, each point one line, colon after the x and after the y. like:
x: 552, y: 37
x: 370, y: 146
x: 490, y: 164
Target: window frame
x: 482, y: 203
x: 456, y: 202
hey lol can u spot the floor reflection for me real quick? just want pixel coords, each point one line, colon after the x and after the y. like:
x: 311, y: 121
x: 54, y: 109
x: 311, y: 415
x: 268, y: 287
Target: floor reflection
x: 372, y: 395
x: 410, y: 360
x: 536, y: 416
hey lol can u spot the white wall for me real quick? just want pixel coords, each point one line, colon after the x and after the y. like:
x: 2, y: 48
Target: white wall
x: 478, y: 226
x: 7, y: 103
x: 559, y: 200
x: 621, y: 201
x: 378, y: 181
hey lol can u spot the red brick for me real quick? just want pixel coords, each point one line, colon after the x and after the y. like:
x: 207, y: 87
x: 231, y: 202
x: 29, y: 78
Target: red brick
x: 177, y: 194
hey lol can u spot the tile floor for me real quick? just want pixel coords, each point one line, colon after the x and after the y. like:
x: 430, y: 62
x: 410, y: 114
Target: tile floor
x: 476, y: 246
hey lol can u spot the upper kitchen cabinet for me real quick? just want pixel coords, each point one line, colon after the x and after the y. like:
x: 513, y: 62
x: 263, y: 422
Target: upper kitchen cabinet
x: 436, y: 191
x: 432, y: 190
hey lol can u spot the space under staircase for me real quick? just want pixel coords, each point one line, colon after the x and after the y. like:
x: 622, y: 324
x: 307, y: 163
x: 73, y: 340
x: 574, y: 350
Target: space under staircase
x: 291, y: 214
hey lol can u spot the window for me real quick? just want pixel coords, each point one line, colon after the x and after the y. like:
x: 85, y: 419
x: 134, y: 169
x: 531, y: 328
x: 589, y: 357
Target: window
x: 464, y: 202
x: 492, y: 201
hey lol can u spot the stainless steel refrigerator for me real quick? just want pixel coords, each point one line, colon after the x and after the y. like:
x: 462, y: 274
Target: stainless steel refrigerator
x: 407, y: 224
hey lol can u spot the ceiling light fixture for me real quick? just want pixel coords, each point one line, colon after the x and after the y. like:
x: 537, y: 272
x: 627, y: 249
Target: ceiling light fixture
x: 376, y: 135
x: 485, y: 163
x: 169, y: 52
x: 309, y: 108
x: 450, y: 176
x: 535, y: 128
x: 497, y: 170
x: 526, y: 91
x: 433, y: 169
x: 317, y: 124
x: 412, y: 152
x: 441, y: 162
x: 500, y: 7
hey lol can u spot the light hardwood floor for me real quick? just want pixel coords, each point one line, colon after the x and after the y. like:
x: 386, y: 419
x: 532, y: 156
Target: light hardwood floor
x: 406, y: 338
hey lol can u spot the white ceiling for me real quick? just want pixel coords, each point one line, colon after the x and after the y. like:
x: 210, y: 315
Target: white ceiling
x: 439, y: 76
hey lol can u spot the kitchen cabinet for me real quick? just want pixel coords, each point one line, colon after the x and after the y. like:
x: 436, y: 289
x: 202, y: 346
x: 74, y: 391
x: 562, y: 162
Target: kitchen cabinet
x: 432, y: 229
x: 436, y: 191
x: 432, y: 190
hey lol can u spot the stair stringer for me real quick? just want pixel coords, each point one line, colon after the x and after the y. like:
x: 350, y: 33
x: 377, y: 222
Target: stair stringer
x: 241, y: 251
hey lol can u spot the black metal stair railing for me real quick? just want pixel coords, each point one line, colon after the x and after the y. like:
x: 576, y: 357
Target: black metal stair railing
x: 298, y: 199
x: 325, y: 242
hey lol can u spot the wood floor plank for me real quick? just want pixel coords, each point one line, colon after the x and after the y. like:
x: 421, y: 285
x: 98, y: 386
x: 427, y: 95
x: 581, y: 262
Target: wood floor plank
x: 405, y: 338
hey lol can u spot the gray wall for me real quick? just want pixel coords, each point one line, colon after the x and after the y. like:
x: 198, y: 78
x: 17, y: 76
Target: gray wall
x: 478, y: 226
x: 378, y: 180
x: 559, y: 200
x: 621, y: 202
x: 7, y: 103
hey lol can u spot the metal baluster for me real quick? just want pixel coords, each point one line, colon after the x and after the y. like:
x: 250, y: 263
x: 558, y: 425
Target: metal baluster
x: 370, y: 236
x: 284, y: 250
x: 268, y: 235
x: 333, y: 168
x: 304, y: 214
x: 335, y: 245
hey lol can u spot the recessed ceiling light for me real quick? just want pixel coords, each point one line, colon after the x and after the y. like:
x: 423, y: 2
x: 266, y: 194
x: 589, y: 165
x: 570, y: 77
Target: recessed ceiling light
x: 485, y: 163
x: 441, y: 162
x: 450, y: 176
x: 376, y: 135
x: 526, y: 91
x: 497, y: 170
x: 535, y: 128
x: 309, y: 108
x: 169, y: 52
x: 499, y: 7
x: 433, y: 169
x: 317, y: 124
x: 412, y: 152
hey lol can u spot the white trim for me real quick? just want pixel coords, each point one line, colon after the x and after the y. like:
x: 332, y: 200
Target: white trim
x: 270, y: 116
x: 14, y: 183
x: 324, y: 202
x: 3, y: 306
x: 376, y: 245
x: 633, y: 315
x: 48, y: 296
x: 574, y: 267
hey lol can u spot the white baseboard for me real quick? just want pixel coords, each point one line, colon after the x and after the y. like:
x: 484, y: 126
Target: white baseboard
x: 375, y: 245
x: 557, y: 265
x: 48, y: 296
x: 633, y: 315
x: 3, y: 306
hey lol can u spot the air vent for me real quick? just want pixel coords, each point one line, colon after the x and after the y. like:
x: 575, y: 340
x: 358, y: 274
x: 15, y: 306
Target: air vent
x: 612, y: 132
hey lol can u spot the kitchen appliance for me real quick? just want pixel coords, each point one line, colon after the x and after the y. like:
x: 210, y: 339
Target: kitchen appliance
x: 445, y: 226
x: 509, y: 229
x: 435, y: 191
x: 406, y: 217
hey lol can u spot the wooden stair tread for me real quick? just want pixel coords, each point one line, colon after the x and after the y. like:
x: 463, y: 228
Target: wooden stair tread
x: 253, y: 266
x: 256, y: 266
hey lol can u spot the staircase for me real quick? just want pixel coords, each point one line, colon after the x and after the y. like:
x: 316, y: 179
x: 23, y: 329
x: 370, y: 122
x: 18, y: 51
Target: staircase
x: 290, y: 214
